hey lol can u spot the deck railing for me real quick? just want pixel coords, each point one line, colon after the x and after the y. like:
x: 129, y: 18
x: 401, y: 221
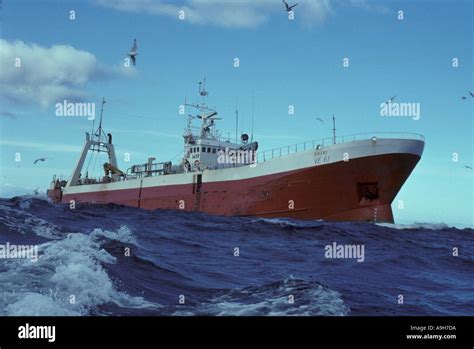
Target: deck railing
x: 323, y: 142
x: 295, y: 148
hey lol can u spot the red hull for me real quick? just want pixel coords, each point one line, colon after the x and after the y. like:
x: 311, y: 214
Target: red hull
x: 331, y: 192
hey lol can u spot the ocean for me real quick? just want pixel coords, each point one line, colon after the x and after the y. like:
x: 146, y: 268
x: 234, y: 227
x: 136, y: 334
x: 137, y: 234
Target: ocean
x: 113, y: 260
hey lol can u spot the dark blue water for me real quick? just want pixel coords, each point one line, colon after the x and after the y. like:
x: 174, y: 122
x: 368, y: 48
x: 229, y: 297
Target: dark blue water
x: 175, y: 254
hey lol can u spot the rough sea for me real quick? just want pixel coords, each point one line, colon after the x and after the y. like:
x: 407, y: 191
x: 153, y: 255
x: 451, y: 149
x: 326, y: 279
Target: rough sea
x: 115, y: 260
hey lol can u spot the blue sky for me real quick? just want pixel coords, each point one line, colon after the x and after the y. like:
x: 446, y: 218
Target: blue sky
x: 284, y: 62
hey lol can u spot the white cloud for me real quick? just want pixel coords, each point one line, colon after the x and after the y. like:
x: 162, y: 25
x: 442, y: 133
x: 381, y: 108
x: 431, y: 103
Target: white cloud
x: 228, y: 14
x: 50, y: 74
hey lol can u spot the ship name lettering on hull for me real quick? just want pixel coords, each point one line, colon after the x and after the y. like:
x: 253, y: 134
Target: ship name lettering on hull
x: 321, y: 157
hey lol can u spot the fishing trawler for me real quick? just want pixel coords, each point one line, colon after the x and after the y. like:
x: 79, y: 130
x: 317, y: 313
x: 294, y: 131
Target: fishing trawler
x: 348, y: 178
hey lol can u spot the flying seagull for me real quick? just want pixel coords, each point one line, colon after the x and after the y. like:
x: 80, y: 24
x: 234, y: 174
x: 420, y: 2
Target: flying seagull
x: 391, y: 99
x: 468, y: 167
x: 463, y: 97
x: 288, y: 8
x: 133, y: 52
x: 472, y: 94
x: 322, y: 121
x: 40, y: 159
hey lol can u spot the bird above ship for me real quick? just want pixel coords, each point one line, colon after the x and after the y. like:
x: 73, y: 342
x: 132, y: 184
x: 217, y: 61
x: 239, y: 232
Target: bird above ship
x: 133, y: 52
x: 40, y: 159
x: 289, y: 8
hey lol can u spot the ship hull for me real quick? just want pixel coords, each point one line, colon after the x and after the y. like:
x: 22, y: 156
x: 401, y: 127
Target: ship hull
x: 348, y: 182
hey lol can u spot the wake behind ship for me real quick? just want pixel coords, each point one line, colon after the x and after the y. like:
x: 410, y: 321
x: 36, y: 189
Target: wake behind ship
x: 348, y: 178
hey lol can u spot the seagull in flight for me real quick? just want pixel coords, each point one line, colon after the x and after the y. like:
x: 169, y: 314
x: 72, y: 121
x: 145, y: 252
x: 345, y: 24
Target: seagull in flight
x: 133, y: 51
x: 319, y: 119
x: 289, y: 8
x: 40, y: 159
x: 391, y: 99
x: 472, y: 94
x: 469, y: 167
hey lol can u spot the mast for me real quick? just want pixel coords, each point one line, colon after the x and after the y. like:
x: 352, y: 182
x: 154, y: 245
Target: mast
x: 236, y: 125
x: 99, y: 129
x: 333, y: 129
x: 251, y: 134
x: 202, y: 90
x: 95, y: 144
x: 206, y: 115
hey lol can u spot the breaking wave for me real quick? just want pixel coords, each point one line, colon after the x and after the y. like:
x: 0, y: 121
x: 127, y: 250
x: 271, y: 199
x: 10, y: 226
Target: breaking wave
x: 424, y: 226
x: 67, y: 279
x: 115, y: 260
x: 290, y: 297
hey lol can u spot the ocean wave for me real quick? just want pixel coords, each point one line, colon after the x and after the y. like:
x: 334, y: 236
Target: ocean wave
x: 68, y: 279
x: 24, y: 222
x: 192, y: 254
x: 424, y: 226
x: 123, y: 234
x: 286, y: 222
x: 289, y: 297
x: 26, y: 201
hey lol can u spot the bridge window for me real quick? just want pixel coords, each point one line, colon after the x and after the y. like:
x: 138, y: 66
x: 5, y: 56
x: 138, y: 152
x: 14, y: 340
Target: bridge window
x: 208, y: 150
x: 213, y: 150
x: 203, y: 149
